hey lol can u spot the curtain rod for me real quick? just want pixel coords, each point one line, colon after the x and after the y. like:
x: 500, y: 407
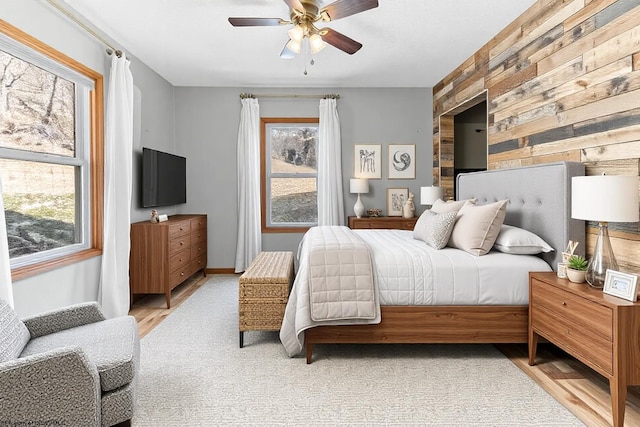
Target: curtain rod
x: 284, y: 95
x: 89, y: 30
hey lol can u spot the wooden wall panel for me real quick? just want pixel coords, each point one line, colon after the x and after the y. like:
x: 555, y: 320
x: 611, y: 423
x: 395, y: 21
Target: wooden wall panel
x: 562, y: 82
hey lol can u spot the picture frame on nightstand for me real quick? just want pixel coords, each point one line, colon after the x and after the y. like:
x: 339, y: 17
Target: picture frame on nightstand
x: 395, y: 199
x: 621, y: 285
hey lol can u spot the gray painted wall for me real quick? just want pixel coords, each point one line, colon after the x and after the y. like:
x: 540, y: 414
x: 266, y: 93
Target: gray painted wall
x: 202, y: 124
x: 207, y: 121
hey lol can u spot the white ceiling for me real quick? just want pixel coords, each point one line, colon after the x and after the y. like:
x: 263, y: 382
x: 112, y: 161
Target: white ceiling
x: 407, y: 43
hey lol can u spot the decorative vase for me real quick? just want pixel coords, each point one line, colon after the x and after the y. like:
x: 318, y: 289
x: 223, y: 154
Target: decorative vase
x: 576, y: 276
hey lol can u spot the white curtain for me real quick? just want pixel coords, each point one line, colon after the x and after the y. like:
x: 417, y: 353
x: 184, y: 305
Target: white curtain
x: 113, y: 294
x: 249, y: 242
x: 330, y: 200
x: 6, y: 287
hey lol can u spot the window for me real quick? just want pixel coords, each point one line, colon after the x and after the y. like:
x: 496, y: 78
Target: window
x: 50, y: 144
x: 289, y: 174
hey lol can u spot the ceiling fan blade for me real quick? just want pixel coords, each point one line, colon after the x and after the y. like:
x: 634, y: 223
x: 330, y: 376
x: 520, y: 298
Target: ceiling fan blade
x: 342, y: 8
x: 287, y: 53
x: 340, y: 41
x: 256, y: 22
x: 295, y: 5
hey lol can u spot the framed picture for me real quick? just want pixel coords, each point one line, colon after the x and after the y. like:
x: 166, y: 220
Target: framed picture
x: 395, y: 199
x: 402, y: 161
x: 367, y: 161
x: 621, y: 285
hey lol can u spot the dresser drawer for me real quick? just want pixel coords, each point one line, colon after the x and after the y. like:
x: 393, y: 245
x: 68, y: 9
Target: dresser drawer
x: 199, y: 263
x: 582, y: 312
x: 199, y: 236
x: 198, y: 250
x: 179, y: 229
x: 179, y: 243
x: 199, y: 223
x: 179, y: 259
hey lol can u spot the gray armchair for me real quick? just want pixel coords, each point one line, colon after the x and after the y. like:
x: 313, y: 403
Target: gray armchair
x: 67, y: 367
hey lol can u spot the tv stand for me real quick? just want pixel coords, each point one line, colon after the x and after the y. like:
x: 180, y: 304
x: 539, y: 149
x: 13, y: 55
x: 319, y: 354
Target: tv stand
x: 165, y: 254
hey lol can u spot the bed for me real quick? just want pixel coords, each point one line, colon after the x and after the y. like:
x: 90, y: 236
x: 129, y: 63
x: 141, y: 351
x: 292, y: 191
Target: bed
x: 539, y: 201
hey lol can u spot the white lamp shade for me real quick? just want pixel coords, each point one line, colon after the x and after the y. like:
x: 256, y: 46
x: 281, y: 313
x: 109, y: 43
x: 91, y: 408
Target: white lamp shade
x: 605, y: 198
x: 294, y: 45
x: 429, y: 195
x: 358, y: 185
x: 316, y: 43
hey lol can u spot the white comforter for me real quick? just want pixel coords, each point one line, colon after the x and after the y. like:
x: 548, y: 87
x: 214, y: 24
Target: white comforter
x: 409, y: 272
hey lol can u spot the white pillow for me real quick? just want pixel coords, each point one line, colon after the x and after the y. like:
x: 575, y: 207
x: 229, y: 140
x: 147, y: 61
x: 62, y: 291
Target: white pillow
x: 478, y: 226
x: 434, y: 229
x: 514, y: 240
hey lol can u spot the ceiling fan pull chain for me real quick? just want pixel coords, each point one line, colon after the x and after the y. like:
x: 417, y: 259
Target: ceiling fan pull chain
x: 306, y: 52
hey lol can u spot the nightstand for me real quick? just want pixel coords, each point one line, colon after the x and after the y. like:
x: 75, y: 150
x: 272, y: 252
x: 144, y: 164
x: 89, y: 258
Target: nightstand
x: 600, y: 330
x: 388, y: 222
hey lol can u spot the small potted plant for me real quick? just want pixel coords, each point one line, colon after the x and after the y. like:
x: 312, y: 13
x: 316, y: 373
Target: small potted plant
x: 577, y: 268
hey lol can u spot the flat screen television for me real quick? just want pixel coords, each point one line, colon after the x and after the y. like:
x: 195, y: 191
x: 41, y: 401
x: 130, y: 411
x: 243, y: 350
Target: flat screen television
x: 164, y: 178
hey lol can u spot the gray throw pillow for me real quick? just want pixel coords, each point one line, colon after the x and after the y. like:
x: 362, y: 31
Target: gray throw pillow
x: 434, y: 229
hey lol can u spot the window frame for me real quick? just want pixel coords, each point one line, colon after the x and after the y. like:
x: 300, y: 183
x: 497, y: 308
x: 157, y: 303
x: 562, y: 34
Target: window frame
x: 91, y: 129
x: 264, y: 179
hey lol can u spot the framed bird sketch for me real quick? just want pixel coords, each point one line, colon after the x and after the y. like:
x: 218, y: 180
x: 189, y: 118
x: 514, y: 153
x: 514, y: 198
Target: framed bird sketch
x: 402, y: 161
x: 367, y: 161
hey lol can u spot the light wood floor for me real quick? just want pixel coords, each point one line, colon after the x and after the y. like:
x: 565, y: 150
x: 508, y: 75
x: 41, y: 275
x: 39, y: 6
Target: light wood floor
x: 581, y: 390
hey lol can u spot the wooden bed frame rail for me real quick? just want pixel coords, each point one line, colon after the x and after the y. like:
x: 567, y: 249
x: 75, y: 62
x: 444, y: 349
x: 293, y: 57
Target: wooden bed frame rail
x: 491, y: 324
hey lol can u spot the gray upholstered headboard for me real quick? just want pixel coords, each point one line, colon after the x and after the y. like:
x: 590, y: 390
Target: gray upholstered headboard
x: 539, y: 201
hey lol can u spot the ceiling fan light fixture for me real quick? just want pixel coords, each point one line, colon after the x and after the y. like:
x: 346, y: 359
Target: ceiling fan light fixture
x: 316, y: 43
x: 294, y: 46
x: 296, y: 33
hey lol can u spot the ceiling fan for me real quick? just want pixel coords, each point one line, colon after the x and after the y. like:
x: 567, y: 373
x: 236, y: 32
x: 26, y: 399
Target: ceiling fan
x: 304, y: 15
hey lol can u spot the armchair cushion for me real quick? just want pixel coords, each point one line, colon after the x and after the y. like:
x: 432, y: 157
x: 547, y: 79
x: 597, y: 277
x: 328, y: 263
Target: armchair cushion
x: 14, y: 335
x: 112, y: 345
x: 64, y: 318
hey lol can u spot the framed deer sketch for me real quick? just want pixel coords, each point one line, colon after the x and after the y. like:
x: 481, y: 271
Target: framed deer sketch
x: 402, y: 161
x: 367, y: 161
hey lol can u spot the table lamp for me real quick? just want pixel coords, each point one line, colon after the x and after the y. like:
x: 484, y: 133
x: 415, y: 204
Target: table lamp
x: 604, y: 198
x: 429, y: 195
x: 359, y: 186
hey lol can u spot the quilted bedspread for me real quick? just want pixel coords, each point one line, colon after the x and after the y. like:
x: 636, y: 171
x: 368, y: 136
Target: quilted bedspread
x: 334, y: 285
x: 340, y: 275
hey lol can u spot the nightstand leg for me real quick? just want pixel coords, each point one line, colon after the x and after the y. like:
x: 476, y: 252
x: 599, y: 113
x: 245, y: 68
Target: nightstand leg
x: 618, y: 401
x: 533, y: 347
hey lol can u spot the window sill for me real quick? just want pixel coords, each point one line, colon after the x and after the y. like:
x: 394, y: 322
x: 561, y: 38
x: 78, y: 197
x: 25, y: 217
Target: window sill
x: 43, y: 267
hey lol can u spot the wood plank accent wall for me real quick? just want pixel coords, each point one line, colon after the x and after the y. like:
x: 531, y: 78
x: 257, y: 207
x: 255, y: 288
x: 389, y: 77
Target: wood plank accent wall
x: 562, y: 82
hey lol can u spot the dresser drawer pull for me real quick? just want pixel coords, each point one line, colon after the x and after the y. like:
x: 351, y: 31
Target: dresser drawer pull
x: 181, y: 242
x: 182, y: 273
x: 564, y: 303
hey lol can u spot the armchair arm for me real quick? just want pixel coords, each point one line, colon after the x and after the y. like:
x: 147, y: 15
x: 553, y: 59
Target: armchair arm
x: 64, y: 318
x: 58, y: 387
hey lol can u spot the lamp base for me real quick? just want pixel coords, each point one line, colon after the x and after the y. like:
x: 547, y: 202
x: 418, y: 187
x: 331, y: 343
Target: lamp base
x: 602, y: 260
x: 358, y: 208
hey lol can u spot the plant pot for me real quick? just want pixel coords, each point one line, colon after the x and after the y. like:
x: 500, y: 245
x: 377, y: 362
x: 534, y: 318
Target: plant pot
x: 576, y: 276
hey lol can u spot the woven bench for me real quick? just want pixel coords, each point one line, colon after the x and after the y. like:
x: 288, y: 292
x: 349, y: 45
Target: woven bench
x: 264, y: 291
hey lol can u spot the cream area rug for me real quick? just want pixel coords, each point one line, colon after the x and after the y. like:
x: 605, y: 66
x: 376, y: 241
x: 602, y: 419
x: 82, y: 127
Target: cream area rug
x: 193, y: 373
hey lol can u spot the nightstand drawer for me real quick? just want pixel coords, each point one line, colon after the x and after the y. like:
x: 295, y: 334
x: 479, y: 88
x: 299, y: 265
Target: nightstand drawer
x: 580, y: 312
x: 577, y: 340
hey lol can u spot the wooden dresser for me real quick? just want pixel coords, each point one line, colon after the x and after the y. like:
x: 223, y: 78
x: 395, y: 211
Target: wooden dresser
x: 165, y: 254
x: 388, y: 222
x: 600, y: 330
